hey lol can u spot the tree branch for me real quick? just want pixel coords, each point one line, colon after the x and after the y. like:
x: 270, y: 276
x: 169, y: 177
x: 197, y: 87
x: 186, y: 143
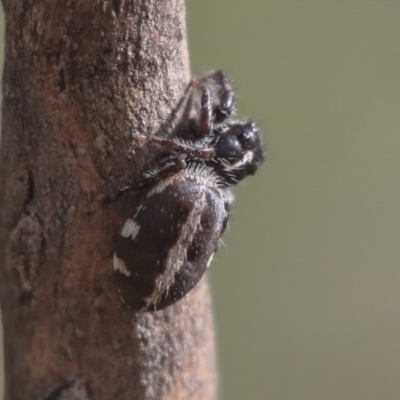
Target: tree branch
x: 79, y: 77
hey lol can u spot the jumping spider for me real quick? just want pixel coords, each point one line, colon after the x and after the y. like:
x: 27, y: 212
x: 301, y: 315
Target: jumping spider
x: 165, y: 248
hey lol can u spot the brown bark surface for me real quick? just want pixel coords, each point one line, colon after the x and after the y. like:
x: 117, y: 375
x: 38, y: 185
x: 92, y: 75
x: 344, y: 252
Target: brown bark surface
x: 79, y: 77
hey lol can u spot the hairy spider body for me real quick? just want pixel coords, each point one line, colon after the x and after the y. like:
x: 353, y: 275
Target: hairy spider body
x: 164, y: 249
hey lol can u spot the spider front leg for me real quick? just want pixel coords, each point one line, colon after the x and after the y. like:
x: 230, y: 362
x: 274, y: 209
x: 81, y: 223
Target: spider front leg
x: 191, y: 149
x: 224, y: 108
x: 215, y: 106
x: 205, y: 120
x: 212, y: 110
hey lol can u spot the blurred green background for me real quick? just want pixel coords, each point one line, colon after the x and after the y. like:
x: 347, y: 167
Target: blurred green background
x: 306, y: 290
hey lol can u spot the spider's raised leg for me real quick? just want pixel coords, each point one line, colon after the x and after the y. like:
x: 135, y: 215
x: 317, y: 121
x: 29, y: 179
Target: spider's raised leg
x: 185, y: 103
x: 215, y: 106
x: 224, y: 107
x: 212, y: 110
x: 206, y: 118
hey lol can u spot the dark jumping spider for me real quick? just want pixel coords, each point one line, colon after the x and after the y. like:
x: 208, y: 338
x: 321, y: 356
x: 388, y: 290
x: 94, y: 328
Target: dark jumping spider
x: 166, y: 246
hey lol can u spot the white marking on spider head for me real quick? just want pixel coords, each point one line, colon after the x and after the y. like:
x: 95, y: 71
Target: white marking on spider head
x: 120, y: 266
x: 247, y: 158
x: 130, y: 229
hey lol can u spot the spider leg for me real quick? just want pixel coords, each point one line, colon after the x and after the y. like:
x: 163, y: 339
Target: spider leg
x: 152, y: 177
x: 191, y: 149
x: 211, y: 110
x: 171, y: 122
x: 205, y: 119
x: 224, y: 107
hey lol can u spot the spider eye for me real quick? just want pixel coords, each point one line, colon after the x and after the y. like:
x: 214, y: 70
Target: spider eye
x: 248, y: 136
x: 245, y: 136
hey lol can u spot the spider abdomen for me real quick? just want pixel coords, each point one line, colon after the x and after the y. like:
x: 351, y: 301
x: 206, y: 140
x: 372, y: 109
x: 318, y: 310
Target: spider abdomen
x: 164, y: 249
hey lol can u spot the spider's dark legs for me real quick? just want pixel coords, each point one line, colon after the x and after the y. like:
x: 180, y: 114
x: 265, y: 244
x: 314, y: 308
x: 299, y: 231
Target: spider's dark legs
x: 223, y: 109
x: 177, y: 146
x: 170, y: 124
x: 212, y: 110
x: 205, y: 119
x: 224, y: 106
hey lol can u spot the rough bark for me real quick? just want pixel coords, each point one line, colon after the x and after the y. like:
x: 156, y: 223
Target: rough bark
x: 79, y: 77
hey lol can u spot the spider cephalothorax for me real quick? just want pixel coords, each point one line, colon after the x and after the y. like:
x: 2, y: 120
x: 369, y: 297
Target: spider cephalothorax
x: 166, y: 246
x: 238, y: 151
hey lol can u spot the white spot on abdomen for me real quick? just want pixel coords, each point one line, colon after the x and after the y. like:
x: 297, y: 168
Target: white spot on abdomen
x: 130, y: 229
x: 120, y: 266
